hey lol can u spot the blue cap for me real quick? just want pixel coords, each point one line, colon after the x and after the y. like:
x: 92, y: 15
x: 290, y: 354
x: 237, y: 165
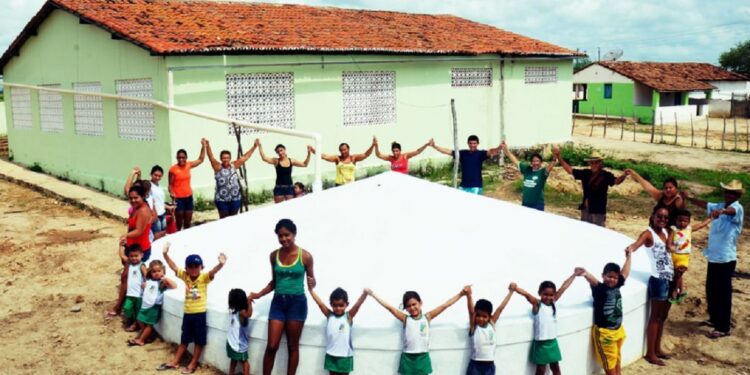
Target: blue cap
x: 193, y: 259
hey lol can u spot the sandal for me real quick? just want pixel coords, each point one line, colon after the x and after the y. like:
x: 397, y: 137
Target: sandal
x: 132, y: 342
x: 664, y: 356
x: 657, y: 362
x: 110, y: 314
x: 713, y: 335
x: 707, y: 323
x: 187, y: 370
x: 166, y: 366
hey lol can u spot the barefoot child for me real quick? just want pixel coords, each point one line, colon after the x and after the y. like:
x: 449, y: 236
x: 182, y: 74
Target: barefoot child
x: 607, y: 332
x: 339, y: 350
x: 482, y: 332
x: 544, y: 349
x: 153, y: 297
x: 680, y: 245
x: 415, y: 359
x: 194, y: 327
x: 136, y: 272
x: 238, y: 332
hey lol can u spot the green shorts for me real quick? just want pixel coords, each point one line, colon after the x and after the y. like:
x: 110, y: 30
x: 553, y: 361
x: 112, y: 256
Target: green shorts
x: 545, y: 352
x: 415, y: 364
x: 339, y: 364
x: 150, y: 316
x: 236, y: 356
x: 130, y: 307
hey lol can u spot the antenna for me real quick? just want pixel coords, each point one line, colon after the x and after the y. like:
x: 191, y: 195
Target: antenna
x: 612, y: 55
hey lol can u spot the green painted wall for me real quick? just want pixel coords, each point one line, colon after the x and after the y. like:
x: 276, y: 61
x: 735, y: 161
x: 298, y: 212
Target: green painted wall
x: 3, y: 122
x: 66, y: 52
x: 622, y: 101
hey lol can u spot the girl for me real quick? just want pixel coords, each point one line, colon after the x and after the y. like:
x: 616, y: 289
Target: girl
x: 668, y: 197
x: 228, y: 196
x: 179, y: 186
x: 534, y: 177
x: 482, y: 333
x: 654, y: 240
x: 346, y: 162
x: 288, y: 313
x: 238, y: 331
x: 680, y: 246
x: 400, y: 161
x: 544, y: 349
x: 284, y: 188
x: 415, y: 360
x: 339, y: 350
x: 153, y: 297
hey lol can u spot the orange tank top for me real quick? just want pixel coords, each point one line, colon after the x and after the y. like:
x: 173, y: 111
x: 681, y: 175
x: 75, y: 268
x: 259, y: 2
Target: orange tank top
x: 181, y: 182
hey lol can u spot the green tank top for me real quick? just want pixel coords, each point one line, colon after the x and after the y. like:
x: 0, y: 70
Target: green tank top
x: 290, y: 279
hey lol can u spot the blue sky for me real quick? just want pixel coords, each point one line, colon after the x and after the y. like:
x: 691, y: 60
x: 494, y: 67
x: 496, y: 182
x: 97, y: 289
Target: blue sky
x: 664, y: 30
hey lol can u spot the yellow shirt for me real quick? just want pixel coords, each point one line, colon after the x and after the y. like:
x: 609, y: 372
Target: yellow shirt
x: 195, y: 291
x: 344, y: 173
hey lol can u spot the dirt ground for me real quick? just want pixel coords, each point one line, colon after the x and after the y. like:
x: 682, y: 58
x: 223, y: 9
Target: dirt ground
x: 56, y: 256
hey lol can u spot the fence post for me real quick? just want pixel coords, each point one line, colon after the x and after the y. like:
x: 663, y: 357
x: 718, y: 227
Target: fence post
x: 734, y: 122
x: 573, y: 127
x: 455, y: 144
x: 606, y: 119
x: 653, y: 126
x: 675, y: 128
x: 593, y: 116
x: 723, y: 132
x: 661, y: 127
x: 692, y: 132
x: 635, y: 123
x: 706, y: 145
x: 622, y: 128
x: 747, y: 135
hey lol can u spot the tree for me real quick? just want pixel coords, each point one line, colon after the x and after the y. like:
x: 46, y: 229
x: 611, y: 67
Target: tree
x: 737, y: 59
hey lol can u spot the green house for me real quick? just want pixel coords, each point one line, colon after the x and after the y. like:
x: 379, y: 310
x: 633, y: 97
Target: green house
x: 347, y: 75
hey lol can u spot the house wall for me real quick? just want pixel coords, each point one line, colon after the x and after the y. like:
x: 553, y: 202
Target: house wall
x: 644, y: 95
x: 683, y: 114
x: 534, y: 113
x: 724, y: 89
x: 595, y: 73
x: 621, y: 103
x: 65, y: 52
x: 3, y: 121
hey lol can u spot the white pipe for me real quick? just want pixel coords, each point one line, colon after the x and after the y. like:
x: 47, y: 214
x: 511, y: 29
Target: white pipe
x: 315, y: 137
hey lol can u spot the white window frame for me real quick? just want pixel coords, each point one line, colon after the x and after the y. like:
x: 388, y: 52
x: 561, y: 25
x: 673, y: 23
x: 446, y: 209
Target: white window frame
x: 369, y: 98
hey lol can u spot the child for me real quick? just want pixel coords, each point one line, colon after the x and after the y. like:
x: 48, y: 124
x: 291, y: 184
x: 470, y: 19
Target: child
x: 482, y: 333
x: 544, y: 350
x: 415, y: 360
x: 194, y: 318
x: 299, y: 189
x: 133, y: 283
x: 680, y: 245
x: 238, y: 330
x: 608, y: 334
x: 153, y: 297
x: 339, y: 351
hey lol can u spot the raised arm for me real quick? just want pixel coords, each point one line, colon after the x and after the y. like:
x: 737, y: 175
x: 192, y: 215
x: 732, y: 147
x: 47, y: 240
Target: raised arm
x: 442, y: 150
x: 215, y: 164
x: 355, y: 308
x: 418, y: 151
x: 202, y: 156
x: 565, y: 285
x: 470, y: 309
x: 400, y: 315
x: 494, y: 151
x: 625, y: 272
x: 378, y: 154
x: 563, y: 163
x: 698, y: 226
x: 262, y: 154
x: 513, y: 158
x: 330, y: 158
x: 586, y: 275
x: 499, y: 310
x: 439, y: 310
x: 644, y: 239
x: 303, y: 164
x: 366, y: 154
x: 135, y: 174
x: 218, y: 267
x: 654, y: 192
x: 621, y: 178
x: 698, y: 202
x: 529, y: 297
x: 167, y: 258
x: 121, y: 252
x: 243, y: 159
x: 551, y: 165
x: 321, y: 305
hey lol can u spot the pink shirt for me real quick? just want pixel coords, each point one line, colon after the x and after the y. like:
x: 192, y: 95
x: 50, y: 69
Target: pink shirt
x: 400, y: 165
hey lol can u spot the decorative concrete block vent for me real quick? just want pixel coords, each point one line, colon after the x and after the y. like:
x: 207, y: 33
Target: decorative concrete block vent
x: 135, y: 121
x: 261, y: 98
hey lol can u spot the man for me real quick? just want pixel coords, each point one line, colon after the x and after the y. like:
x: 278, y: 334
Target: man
x: 595, y: 182
x: 471, y: 164
x: 721, y: 254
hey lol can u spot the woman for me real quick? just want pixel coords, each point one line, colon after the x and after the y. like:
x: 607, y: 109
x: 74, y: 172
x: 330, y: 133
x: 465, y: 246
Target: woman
x: 346, y: 162
x: 284, y: 188
x: 400, y: 161
x: 654, y: 240
x: 669, y: 197
x: 228, y: 195
x: 179, y: 186
x: 534, y: 177
x: 289, y: 264
x: 154, y: 196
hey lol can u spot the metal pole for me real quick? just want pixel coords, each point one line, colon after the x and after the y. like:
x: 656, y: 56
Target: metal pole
x: 455, y: 144
x: 675, y: 128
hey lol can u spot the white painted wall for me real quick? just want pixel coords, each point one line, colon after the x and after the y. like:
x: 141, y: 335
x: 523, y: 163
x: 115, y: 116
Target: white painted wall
x: 3, y: 126
x: 684, y: 112
x: 724, y: 89
x: 599, y: 74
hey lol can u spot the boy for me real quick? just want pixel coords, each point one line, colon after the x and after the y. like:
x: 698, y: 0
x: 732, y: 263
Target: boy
x: 471, y: 164
x: 482, y: 332
x: 131, y: 281
x: 680, y: 245
x: 607, y: 332
x: 194, y: 327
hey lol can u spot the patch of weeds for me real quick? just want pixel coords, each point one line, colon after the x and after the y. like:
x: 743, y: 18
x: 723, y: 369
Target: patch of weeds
x: 203, y: 204
x: 36, y: 168
x: 258, y: 197
x: 576, y: 155
x: 438, y: 171
x: 101, y: 185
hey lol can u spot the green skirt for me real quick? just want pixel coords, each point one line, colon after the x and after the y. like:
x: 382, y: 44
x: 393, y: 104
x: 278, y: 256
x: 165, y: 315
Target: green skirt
x: 130, y: 307
x: 150, y: 315
x: 545, y: 352
x: 339, y: 364
x: 415, y: 364
x: 236, y: 356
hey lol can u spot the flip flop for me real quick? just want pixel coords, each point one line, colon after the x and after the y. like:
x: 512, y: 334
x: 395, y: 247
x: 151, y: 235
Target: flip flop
x: 657, y: 362
x: 131, y: 329
x: 707, y: 323
x: 132, y: 342
x: 713, y: 335
x: 110, y: 314
x: 187, y: 370
x: 664, y: 356
x: 165, y: 366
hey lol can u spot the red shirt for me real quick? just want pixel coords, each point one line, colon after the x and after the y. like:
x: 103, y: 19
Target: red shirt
x: 400, y: 165
x: 141, y: 240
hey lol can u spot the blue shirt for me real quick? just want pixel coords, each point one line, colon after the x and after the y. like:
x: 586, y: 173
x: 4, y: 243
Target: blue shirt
x: 471, y: 167
x: 725, y: 230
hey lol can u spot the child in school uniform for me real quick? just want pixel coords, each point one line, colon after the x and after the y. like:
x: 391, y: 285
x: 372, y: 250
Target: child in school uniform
x: 238, y: 332
x: 483, y: 333
x: 153, y: 297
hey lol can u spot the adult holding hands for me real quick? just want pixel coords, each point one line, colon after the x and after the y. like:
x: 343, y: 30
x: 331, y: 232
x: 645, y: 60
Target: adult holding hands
x: 179, y: 186
x: 346, y: 162
x: 228, y: 196
x: 400, y: 160
x: 534, y: 176
x: 284, y: 188
x: 668, y: 197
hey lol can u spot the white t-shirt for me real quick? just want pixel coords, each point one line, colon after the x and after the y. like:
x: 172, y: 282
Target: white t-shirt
x: 545, y: 323
x: 135, y: 280
x: 158, y: 198
x: 417, y: 335
x: 661, y: 261
x: 483, y: 343
x: 237, y: 334
x: 339, y: 336
x: 152, y: 295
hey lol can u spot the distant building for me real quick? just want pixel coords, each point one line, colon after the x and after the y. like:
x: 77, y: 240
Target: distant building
x: 653, y: 90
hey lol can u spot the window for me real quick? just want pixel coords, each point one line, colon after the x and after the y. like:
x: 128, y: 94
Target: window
x: 540, y: 74
x: 89, y: 117
x: 135, y: 120
x: 51, y: 110
x: 471, y: 77
x: 261, y: 98
x: 607, y: 91
x: 20, y: 100
x: 579, y: 91
x: 369, y: 97
x: 678, y: 98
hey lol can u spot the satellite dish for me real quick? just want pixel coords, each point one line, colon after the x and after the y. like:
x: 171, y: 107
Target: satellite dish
x: 612, y: 55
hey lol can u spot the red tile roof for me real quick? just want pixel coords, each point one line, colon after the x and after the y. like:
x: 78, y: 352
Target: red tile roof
x: 663, y: 76
x: 166, y: 27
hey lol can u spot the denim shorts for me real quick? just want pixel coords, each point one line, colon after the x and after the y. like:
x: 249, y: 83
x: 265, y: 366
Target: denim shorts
x: 159, y: 224
x: 282, y: 190
x: 658, y: 289
x: 288, y: 307
x: 184, y: 204
x: 194, y: 329
x: 232, y: 206
x: 480, y: 368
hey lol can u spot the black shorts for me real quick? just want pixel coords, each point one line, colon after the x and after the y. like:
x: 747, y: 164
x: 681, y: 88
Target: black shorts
x: 184, y: 204
x: 194, y: 329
